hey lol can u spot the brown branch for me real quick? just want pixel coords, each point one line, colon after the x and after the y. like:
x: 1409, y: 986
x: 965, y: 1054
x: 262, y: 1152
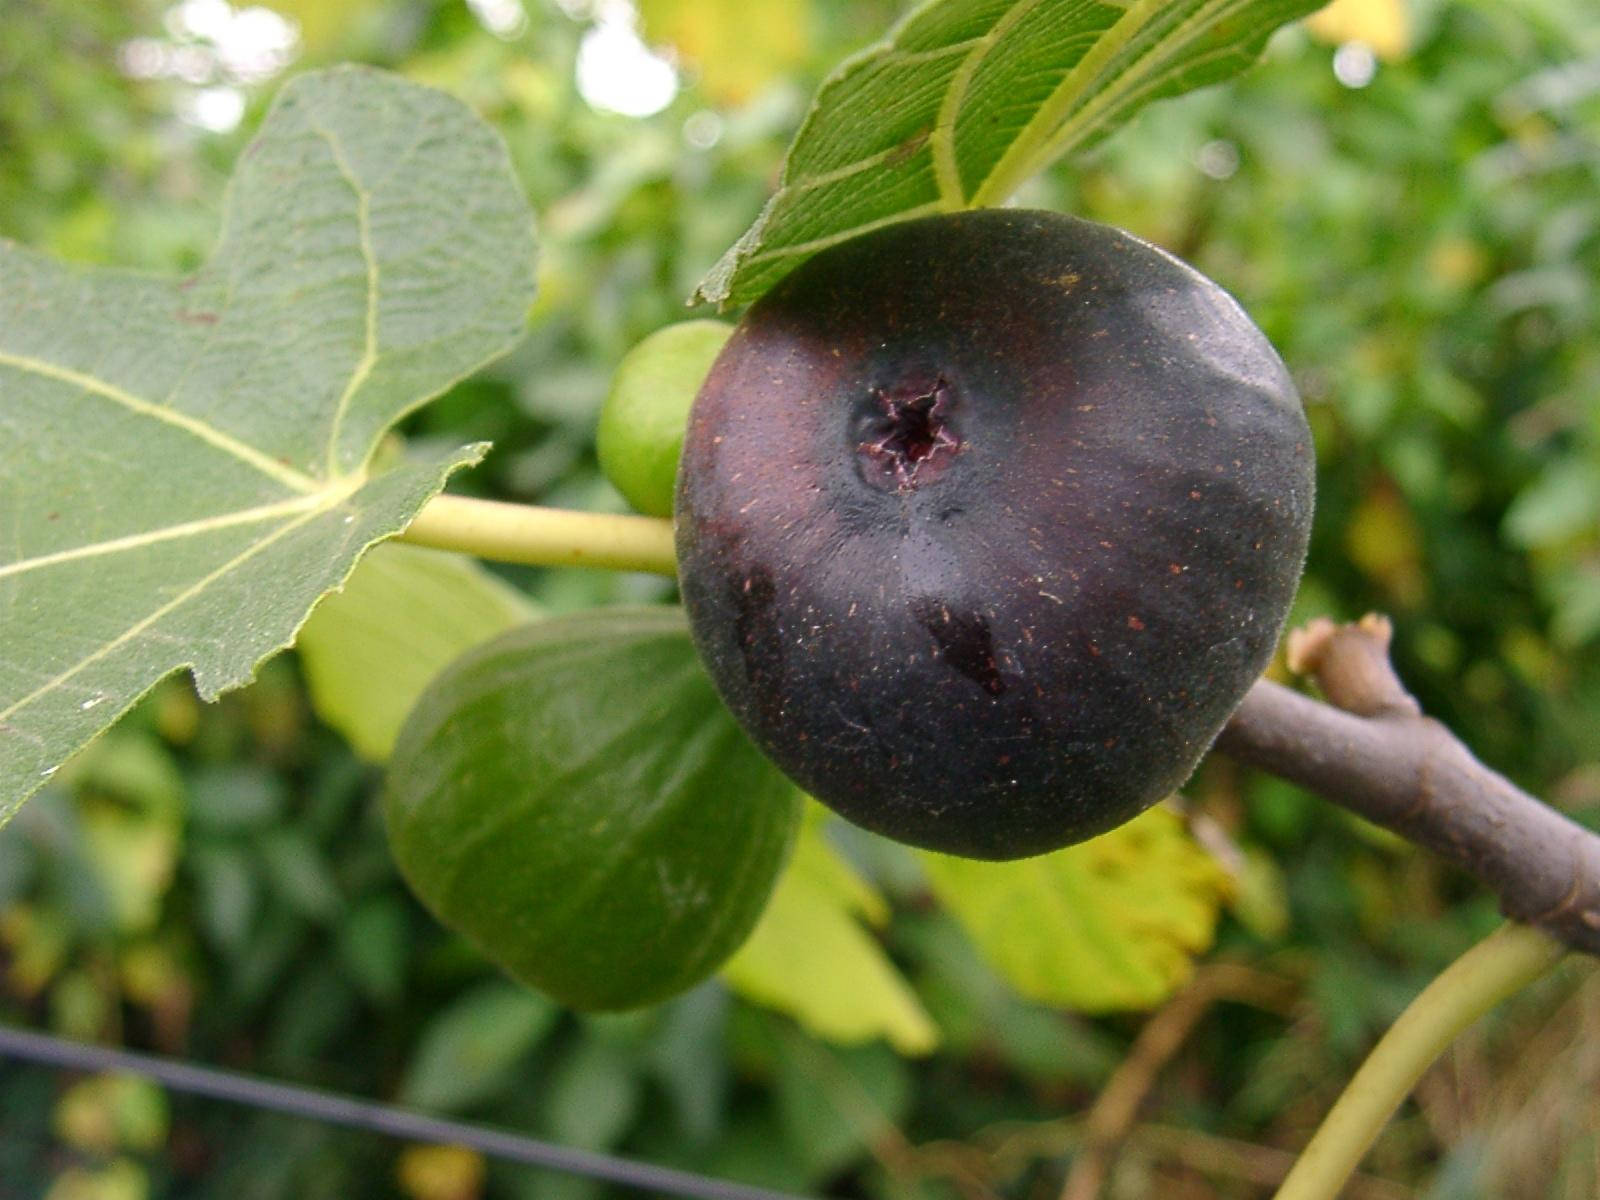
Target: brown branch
x: 1117, y: 1107
x: 1371, y: 750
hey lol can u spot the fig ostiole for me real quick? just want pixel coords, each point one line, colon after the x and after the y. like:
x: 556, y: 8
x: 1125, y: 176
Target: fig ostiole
x: 987, y: 521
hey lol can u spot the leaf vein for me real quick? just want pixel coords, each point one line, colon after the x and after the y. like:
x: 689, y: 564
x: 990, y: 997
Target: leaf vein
x: 212, y: 436
x: 1055, y: 125
x: 369, y: 350
x: 1135, y: 82
x: 947, y: 171
x: 176, y: 602
x: 136, y: 541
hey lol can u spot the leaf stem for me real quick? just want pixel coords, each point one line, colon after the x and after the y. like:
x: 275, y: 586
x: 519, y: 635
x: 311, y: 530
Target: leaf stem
x: 547, y: 537
x: 1496, y: 968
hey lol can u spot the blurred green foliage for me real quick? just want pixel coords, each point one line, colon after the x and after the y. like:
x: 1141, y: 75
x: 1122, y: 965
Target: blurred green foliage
x: 1425, y: 251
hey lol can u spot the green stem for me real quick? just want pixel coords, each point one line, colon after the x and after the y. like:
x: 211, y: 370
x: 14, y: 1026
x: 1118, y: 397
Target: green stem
x: 1496, y: 968
x: 547, y: 537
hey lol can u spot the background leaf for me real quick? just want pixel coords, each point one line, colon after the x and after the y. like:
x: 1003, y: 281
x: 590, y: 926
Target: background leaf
x: 470, y: 1049
x: 811, y: 956
x: 969, y: 98
x: 592, y: 1095
x: 186, y: 460
x: 833, y: 1102
x: 733, y: 56
x: 403, y: 615
x: 1108, y: 924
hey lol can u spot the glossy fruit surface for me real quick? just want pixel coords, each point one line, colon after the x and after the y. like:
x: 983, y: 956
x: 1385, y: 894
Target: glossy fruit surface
x: 987, y: 521
x: 573, y: 797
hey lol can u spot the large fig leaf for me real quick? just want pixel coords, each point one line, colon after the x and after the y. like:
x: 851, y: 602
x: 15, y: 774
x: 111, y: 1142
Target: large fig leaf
x: 967, y: 99
x: 184, y: 463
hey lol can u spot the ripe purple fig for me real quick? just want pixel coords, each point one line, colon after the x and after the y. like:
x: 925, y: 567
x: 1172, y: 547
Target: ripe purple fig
x: 986, y: 522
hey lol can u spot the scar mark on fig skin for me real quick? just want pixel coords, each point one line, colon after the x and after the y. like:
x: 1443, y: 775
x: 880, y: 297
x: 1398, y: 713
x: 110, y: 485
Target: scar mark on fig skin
x: 964, y: 641
x: 910, y: 435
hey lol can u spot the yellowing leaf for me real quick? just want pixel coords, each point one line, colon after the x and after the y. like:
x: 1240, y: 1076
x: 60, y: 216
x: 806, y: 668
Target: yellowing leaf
x: 1105, y: 925
x: 36, y: 942
x: 130, y: 802
x: 135, y: 858
x: 402, y: 617
x: 151, y: 975
x: 1382, y: 539
x: 810, y: 957
x: 120, y: 1179
x: 735, y: 50
x: 1382, y: 25
x: 440, y: 1172
x: 107, y: 1113
x: 1458, y: 262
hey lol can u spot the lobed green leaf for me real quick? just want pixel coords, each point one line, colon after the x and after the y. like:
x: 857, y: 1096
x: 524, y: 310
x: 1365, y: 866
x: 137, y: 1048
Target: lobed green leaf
x: 186, y: 462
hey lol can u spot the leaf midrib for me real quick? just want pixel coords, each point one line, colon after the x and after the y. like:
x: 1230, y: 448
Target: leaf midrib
x: 332, y: 501
x: 166, y: 533
x: 280, y: 472
x: 317, y: 495
x: 369, y: 349
x: 1039, y: 143
x: 946, y: 168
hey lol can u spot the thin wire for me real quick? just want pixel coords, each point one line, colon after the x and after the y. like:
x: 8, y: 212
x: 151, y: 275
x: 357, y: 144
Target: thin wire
x: 335, y: 1109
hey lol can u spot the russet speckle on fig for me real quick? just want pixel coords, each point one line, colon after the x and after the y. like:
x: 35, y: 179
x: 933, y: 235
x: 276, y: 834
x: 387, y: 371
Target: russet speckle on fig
x: 932, y: 496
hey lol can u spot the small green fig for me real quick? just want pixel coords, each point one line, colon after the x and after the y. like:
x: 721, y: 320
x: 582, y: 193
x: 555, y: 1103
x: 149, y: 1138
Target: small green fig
x: 640, y: 435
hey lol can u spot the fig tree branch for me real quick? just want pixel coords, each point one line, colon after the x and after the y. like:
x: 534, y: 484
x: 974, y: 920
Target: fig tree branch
x: 1371, y: 750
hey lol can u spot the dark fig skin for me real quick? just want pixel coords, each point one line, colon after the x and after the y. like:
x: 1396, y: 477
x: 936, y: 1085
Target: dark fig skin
x: 986, y: 522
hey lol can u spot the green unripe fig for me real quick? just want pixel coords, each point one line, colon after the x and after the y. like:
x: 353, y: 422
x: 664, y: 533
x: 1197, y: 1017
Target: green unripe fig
x: 986, y: 522
x: 575, y: 800
x: 641, y: 423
